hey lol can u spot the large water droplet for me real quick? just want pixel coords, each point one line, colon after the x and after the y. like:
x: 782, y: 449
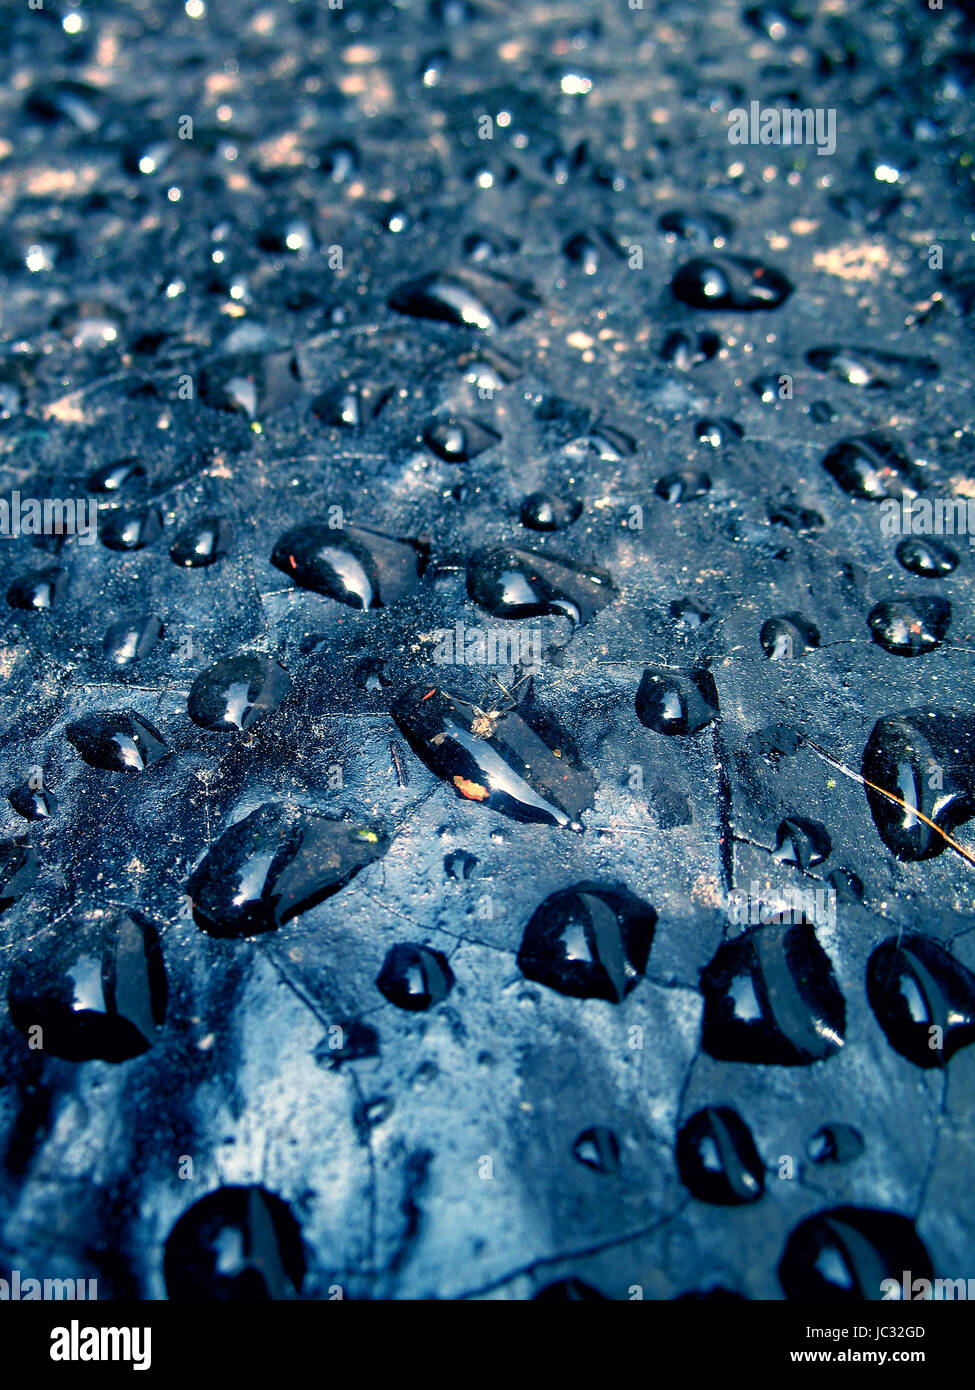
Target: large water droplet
x: 495, y: 759
x: 671, y: 702
x: 235, y: 1244
x: 117, y: 740
x: 415, y: 977
x: 923, y: 998
x: 39, y: 590
x: 730, y: 282
x: 468, y: 298
x: 929, y: 558
x: 234, y: 692
x: 94, y: 994
x: 717, y: 1159
x: 910, y: 626
x: 847, y: 1252
x: 770, y: 996
x: 923, y: 757
x: 872, y: 466
x: 589, y: 941
x: 513, y: 583
x: 275, y: 863
x: 869, y: 368
x: 33, y: 803
x: 355, y: 566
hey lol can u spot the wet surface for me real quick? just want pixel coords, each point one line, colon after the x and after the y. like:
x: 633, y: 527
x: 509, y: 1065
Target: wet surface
x: 496, y: 578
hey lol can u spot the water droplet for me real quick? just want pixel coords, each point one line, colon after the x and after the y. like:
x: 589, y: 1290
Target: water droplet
x: 730, y: 282
x: 688, y: 614
x: 513, y: 583
x: 117, y: 740
x: 350, y: 404
x: 598, y: 1148
x: 18, y: 870
x: 871, y: 466
x: 339, y: 161
x: 801, y: 842
x: 496, y: 759
x: 708, y: 228
x: 799, y: 519
x: 39, y: 590
x: 718, y: 433
x: 569, y: 1290
x: 788, y: 637
x: 672, y: 702
x: 770, y: 996
x: 923, y: 999
x: 94, y: 993
x: 203, y: 542
x: 921, y: 757
x: 835, y: 1143
x: 822, y: 413
x: 685, y: 350
x: 33, y: 803
x: 540, y: 511
x: 415, y: 977
x: 685, y: 485
x: 589, y: 250
x: 910, y: 626
x: 876, y: 371
x: 459, y: 440
x: 130, y: 639
x: 65, y: 101
x: 255, y: 384
x: 235, y: 1244
x: 353, y: 566
x: 274, y: 864
x: 459, y: 864
x: 89, y: 324
x: 717, y: 1159
x: 465, y: 297
x: 114, y: 477
x: 846, y: 1253
x: 236, y: 691
x: 589, y: 941
x: 130, y: 528
x: 931, y: 559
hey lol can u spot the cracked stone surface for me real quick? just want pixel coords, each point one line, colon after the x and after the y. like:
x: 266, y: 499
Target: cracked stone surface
x: 329, y: 316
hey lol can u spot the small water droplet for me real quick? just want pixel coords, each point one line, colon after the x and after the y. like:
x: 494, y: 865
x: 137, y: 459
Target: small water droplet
x: 730, y: 282
x: 598, y: 1148
x: 415, y: 977
x: 540, y: 511
x: 717, y: 1159
x: 130, y: 528
x: 202, y: 543
x: 39, y: 590
x: 835, y: 1143
x: 673, y: 702
x: 130, y: 639
x: 33, y: 803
